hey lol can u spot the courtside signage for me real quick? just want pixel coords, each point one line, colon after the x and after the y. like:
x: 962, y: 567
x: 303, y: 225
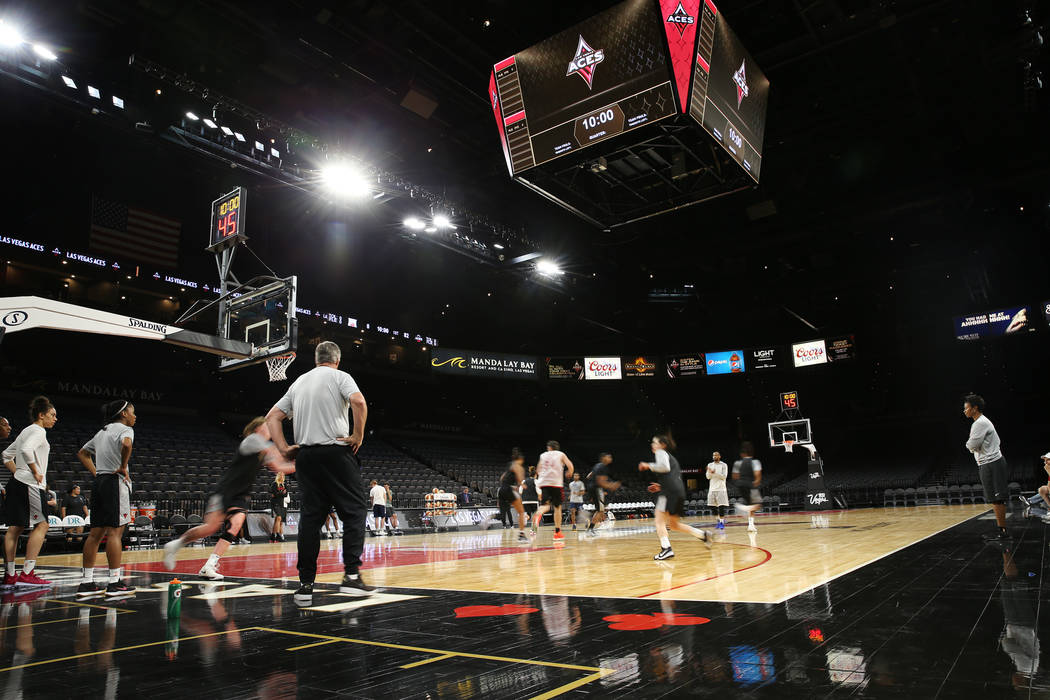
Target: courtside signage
x: 812, y: 352
x: 602, y: 368
x: 469, y: 363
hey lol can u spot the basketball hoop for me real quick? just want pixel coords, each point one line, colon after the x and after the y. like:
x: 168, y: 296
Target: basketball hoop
x: 788, y: 445
x: 278, y: 366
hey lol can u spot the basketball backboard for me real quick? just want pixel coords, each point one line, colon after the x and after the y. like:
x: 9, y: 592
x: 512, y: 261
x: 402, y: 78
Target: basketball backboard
x: 796, y: 431
x: 263, y: 316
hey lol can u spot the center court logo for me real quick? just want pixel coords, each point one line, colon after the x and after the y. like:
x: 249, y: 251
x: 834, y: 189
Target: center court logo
x: 680, y: 19
x: 585, y: 61
x: 740, y: 78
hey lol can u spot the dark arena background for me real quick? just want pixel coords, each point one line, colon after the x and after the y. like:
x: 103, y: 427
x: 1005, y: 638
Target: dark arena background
x: 815, y: 228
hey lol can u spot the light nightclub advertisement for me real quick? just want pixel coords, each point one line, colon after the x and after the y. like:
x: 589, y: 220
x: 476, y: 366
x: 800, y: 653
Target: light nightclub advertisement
x: 602, y: 368
x: 639, y: 367
x: 469, y: 363
x: 764, y: 358
x: 841, y: 348
x: 685, y: 366
x: 729, y: 362
x: 993, y: 324
x: 812, y: 352
x: 564, y: 368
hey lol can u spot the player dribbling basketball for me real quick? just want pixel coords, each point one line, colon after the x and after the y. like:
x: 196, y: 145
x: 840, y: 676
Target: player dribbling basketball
x: 670, y: 502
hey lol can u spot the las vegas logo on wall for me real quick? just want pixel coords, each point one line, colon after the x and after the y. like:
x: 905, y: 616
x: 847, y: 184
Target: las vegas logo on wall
x: 680, y: 19
x: 740, y: 78
x: 585, y: 61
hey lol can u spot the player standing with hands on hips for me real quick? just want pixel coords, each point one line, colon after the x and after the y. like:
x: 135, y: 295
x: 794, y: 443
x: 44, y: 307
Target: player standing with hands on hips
x: 326, y: 464
x: 670, y: 503
x: 26, y: 458
x: 991, y: 465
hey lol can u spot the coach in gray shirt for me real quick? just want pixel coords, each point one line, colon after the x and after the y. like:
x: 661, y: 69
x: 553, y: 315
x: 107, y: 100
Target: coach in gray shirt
x: 991, y: 465
x: 326, y: 465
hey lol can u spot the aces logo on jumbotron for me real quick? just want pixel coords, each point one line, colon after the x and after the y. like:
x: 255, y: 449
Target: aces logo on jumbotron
x: 585, y: 62
x: 680, y: 19
x: 740, y: 78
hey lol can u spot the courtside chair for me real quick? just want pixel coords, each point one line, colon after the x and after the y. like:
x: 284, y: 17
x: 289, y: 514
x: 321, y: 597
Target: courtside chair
x: 954, y: 494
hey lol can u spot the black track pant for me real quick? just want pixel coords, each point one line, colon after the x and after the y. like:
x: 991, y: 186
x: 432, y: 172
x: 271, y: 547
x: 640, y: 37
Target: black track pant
x: 330, y: 475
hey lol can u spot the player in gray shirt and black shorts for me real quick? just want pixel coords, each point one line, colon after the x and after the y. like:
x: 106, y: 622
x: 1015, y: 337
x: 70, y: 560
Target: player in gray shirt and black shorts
x: 326, y: 466
x: 991, y: 465
x: 106, y: 456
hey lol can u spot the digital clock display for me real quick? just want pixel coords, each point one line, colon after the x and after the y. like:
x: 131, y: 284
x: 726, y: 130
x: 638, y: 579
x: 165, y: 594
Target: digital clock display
x: 227, y: 220
x: 789, y: 401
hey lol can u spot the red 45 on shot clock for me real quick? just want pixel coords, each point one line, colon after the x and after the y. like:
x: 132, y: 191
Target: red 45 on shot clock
x: 227, y: 220
x: 789, y: 401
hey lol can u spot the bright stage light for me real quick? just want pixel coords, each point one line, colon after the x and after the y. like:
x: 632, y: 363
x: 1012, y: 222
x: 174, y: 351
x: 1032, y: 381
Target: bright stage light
x: 497, y: 246
x: 239, y: 136
x: 275, y: 153
x: 227, y: 130
x: 345, y: 180
x: 94, y: 92
x: 430, y: 229
x: 69, y: 82
x: 118, y: 102
x: 192, y: 117
x: 260, y: 147
x: 442, y: 221
x: 546, y: 267
x: 210, y: 124
x: 9, y: 35
x: 44, y: 52
x: 415, y: 223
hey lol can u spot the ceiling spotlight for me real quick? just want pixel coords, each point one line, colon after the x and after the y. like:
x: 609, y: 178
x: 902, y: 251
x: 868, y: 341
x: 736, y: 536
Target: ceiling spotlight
x: 415, y: 223
x: 430, y: 229
x: 118, y: 102
x: 226, y: 130
x: 94, y: 92
x: 192, y: 117
x: 44, y: 52
x: 497, y: 246
x: 442, y: 221
x: 69, y: 82
x: 487, y: 23
x: 546, y: 267
x: 210, y: 124
x: 260, y: 147
x: 345, y: 180
x: 239, y: 136
x: 9, y: 36
x: 158, y: 91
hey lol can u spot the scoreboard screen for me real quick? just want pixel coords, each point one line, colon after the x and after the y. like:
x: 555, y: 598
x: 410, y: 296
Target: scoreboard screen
x: 600, y: 78
x: 730, y: 92
x: 227, y: 220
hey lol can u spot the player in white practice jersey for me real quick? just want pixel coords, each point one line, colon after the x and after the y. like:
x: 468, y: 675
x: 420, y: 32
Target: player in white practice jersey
x: 717, y: 495
x: 550, y: 477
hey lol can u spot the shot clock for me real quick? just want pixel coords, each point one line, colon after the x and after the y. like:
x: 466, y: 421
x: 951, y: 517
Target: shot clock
x: 227, y: 220
x: 789, y: 401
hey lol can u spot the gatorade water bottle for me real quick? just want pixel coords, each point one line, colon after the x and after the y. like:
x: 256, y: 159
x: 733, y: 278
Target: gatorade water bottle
x: 174, y: 599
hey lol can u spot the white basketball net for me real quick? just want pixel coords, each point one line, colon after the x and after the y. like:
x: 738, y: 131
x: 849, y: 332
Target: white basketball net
x: 788, y: 444
x: 278, y: 366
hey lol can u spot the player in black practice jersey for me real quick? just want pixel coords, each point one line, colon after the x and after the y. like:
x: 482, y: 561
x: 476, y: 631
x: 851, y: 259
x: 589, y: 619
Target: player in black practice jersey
x: 599, y: 485
x: 671, y: 501
x: 509, y: 498
x: 530, y: 495
x: 747, y: 475
x: 232, y: 496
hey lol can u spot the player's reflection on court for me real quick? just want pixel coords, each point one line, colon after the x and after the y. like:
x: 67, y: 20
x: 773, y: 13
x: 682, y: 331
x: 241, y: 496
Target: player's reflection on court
x: 561, y: 623
x: 1019, y: 638
x: 17, y: 611
x: 277, y: 685
x: 97, y: 658
x: 215, y: 648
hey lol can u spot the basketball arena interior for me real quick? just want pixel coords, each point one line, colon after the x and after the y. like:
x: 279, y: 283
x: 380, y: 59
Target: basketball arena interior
x: 594, y: 241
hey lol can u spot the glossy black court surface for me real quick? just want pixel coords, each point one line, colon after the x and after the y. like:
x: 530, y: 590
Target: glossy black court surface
x: 950, y: 616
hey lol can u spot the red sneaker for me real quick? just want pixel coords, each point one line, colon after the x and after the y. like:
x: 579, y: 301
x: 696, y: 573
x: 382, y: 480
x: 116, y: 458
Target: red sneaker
x: 559, y: 535
x: 31, y: 579
x: 9, y: 581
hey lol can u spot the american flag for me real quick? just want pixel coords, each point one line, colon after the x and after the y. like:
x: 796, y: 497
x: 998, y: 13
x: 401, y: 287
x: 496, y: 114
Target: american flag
x: 133, y: 233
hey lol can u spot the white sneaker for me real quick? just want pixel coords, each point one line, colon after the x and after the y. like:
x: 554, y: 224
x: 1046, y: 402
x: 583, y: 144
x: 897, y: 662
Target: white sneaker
x: 170, y: 550
x: 211, y: 573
